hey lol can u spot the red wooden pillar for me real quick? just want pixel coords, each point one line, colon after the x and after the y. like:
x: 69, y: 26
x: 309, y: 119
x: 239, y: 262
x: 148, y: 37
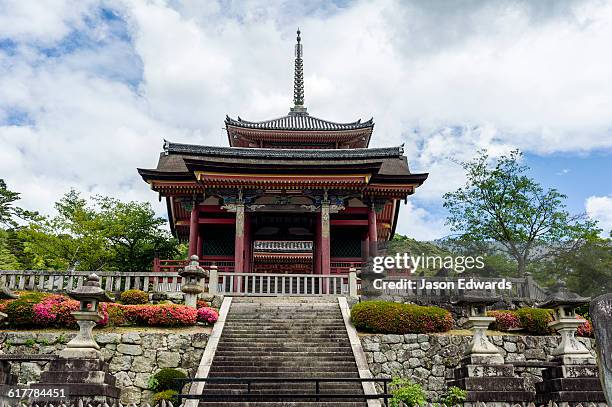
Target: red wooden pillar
x: 193, y: 230
x: 372, y: 231
x: 239, y: 242
x: 317, y: 245
x: 200, y: 244
x: 325, y: 244
x: 248, y: 244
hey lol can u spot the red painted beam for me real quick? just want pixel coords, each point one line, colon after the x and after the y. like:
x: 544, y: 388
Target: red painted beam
x: 217, y: 221
x: 349, y: 222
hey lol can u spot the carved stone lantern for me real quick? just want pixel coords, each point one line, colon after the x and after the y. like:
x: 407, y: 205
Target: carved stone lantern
x: 90, y: 295
x: 566, y: 322
x: 193, y: 275
x: 480, y: 349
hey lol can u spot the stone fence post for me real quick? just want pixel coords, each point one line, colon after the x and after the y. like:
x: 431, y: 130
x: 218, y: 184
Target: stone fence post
x: 213, y: 280
x: 353, y: 282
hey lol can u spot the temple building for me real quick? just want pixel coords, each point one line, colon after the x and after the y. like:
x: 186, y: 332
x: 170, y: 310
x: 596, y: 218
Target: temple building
x: 295, y: 194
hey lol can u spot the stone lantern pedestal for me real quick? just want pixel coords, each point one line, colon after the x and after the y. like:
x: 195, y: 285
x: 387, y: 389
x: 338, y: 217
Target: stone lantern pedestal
x: 193, y: 275
x: 80, y: 368
x: 483, y: 373
x: 575, y: 379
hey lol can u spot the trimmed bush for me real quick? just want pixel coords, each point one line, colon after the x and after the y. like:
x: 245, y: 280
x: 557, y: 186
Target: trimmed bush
x: 535, y: 320
x: 134, y: 297
x: 160, y: 315
x: 207, y: 315
x: 55, y: 311
x: 505, y: 320
x: 20, y: 313
x: 202, y: 304
x: 168, y: 395
x: 394, y: 318
x: 165, y: 379
x: 407, y: 393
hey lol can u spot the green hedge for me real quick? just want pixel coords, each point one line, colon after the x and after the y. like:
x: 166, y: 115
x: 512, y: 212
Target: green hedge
x: 535, y: 320
x: 387, y: 317
x: 134, y: 297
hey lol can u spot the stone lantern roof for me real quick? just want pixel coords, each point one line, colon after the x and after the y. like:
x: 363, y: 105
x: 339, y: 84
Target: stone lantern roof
x: 563, y: 297
x: 6, y: 294
x: 90, y: 290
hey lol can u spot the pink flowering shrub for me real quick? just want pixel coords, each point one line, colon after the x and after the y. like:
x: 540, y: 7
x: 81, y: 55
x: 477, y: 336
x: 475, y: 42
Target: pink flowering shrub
x: 585, y: 329
x: 207, y: 315
x: 504, y: 320
x: 159, y: 315
x: 56, y: 311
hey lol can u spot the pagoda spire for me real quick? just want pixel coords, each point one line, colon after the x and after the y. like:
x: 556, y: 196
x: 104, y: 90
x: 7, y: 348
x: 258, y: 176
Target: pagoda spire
x: 298, y: 79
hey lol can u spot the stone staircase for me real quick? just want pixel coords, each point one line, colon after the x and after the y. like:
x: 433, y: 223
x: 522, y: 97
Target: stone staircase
x: 284, y: 338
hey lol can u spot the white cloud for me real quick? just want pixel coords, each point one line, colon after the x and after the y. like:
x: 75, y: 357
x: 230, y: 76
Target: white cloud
x: 420, y: 224
x: 445, y: 81
x: 600, y: 209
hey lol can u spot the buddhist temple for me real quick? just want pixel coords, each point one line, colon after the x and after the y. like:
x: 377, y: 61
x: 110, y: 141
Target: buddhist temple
x: 295, y: 194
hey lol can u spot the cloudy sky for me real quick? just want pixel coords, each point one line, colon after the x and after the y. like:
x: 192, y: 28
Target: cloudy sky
x: 89, y: 89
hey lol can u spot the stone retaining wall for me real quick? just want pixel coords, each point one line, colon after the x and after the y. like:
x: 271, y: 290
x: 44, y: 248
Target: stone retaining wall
x: 133, y: 356
x: 427, y: 358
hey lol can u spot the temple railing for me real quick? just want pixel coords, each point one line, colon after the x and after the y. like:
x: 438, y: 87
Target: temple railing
x: 62, y: 281
x: 343, y: 265
x: 223, y: 263
x: 267, y: 284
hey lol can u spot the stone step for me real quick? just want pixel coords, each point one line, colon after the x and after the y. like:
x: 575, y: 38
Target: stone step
x: 271, y: 359
x: 256, y: 353
x: 296, y: 374
x: 283, y: 340
x: 282, y: 404
x: 285, y: 348
x: 325, y: 387
x: 233, y: 370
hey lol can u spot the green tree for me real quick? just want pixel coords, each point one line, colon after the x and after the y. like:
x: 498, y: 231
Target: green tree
x: 8, y: 260
x: 135, y: 235
x: 8, y: 210
x: 500, y: 203
x: 104, y: 234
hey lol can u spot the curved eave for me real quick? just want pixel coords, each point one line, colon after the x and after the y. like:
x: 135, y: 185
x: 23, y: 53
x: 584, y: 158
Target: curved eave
x: 283, y: 153
x: 299, y: 122
x: 415, y: 179
x: 152, y: 175
x: 287, y: 167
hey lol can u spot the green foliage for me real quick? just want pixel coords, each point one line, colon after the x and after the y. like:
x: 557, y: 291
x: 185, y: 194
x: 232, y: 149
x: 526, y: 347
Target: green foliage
x: 501, y: 204
x: 587, y: 271
x: 19, y: 312
x: 168, y: 395
x: 165, y: 379
x: 8, y: 260
x: 395, y: 318
x: 30, y: 343
x: 404, y: 390
x: 535, y: 320
x: 454, y: 395
x: 8, y: 211
x: 134, y: 297
x: 104, y: 233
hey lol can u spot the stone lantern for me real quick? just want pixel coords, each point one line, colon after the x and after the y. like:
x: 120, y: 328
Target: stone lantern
x: 480, y: 349
x: 566, y: 322
x: 90, y: 295
x: 193, y: 275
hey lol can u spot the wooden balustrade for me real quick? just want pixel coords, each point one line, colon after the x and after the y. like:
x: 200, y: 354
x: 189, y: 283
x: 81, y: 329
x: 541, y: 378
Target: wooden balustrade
x: 61, y: 281
x: 267, y: 284
x: 223, y: 263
